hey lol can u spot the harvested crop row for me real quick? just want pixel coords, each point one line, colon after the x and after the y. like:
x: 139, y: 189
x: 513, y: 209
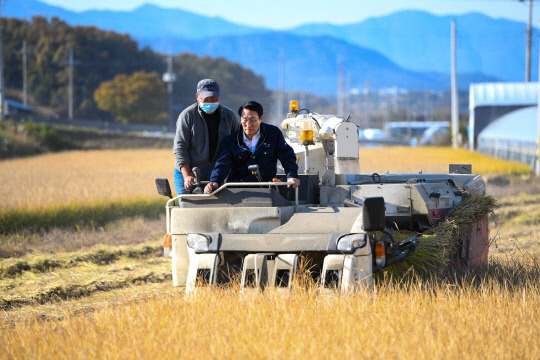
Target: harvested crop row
x: 71, y: 291
x: 58, y: 310
x: 99, y: 257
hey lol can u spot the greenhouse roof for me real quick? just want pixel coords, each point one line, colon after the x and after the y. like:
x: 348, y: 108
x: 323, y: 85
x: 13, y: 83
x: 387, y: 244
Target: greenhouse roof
x: 503, y: 94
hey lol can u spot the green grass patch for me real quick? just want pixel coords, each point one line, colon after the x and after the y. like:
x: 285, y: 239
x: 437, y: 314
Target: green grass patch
x: 521, y: 200
x: 78, y: 215
x: 528, y: 218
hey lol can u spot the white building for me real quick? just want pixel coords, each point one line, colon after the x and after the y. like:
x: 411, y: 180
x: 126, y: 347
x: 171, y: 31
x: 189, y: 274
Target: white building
x: 512, y: 136
x: 490, y: 101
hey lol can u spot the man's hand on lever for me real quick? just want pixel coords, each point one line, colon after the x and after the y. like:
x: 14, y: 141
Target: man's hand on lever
x: 295, y: 182
x: 189, y: 182
x: 210, y: 187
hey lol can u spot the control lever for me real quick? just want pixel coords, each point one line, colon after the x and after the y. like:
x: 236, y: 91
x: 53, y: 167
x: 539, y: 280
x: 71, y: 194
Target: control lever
x: 198, y: 185
x: 197, y: 173
x: 255, y: 171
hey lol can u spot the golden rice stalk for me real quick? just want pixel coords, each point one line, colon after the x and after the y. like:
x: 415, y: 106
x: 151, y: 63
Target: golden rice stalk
x: 437, y: 245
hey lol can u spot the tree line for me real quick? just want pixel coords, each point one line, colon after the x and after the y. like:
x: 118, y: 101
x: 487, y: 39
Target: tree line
x: 110, y: 72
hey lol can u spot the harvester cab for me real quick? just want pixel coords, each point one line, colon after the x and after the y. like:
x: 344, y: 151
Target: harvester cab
x: 337, y: 223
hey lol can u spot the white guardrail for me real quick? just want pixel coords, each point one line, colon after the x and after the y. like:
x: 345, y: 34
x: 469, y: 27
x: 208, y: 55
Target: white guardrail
x: 170, y: 203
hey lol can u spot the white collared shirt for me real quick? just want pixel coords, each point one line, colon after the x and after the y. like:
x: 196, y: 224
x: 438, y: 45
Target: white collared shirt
x: 252, y: 144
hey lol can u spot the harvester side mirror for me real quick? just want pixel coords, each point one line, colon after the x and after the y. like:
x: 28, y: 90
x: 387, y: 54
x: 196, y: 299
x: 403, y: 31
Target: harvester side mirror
x: 374, y: 214
x: 163, y: 187
x: 255, y: 171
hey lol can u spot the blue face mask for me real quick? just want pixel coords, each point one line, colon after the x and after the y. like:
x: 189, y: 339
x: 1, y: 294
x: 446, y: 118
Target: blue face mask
x: 209, y: 108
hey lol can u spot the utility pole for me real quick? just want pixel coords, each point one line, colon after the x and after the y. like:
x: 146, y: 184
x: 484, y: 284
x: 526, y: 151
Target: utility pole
x: 280, y: 86
x: 426, y: 95
x: 408, y: 111
x: 24, y: 52
x: 340, y: 88
x: 529, y: 44
x: 347, y: 106
x: 2, y: 104
x: 70, y: 63
x: 537, y: 164
x: 367, y: 104
x: 454, y: 100
x: 386, y: 114
x: 169, y: 78
x: 70, y: 102
x: 25, y: 73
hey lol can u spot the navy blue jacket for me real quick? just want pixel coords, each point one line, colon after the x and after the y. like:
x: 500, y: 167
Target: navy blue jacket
x: 236, y: 157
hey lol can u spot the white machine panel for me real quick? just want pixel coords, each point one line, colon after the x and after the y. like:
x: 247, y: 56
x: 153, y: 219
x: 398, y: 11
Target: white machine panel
x: 346, y: 141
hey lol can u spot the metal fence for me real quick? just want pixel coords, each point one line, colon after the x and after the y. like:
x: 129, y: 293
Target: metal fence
x: 513, y: 150
x: 103, y: 125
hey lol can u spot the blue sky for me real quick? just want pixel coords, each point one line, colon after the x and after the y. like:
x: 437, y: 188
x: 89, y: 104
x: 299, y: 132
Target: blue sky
x: 280, y: 14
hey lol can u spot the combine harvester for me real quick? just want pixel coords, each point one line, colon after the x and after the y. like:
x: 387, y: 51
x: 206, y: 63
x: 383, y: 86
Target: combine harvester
x: 338, y: 220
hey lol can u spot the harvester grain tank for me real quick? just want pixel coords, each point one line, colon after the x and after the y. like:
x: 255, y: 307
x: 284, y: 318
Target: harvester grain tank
x: 338, y: 221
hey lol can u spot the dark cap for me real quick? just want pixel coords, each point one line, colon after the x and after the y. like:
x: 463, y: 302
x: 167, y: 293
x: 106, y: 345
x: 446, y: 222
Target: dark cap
x: 207, y: 88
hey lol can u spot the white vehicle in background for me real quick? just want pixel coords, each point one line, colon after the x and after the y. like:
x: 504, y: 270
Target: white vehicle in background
x: 371, y: 134
x: 377, y: 137
x: 438, y: 135
x: 412, y: 131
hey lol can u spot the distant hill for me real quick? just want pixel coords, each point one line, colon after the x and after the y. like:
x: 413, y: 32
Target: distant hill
x: 100, y: 56
x: 409, y: 49
x: 311, y: 63
x: 141, y: 22
x: 420, y: 41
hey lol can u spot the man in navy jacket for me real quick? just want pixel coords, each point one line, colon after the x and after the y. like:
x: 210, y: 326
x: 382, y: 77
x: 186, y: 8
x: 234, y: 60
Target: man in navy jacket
x: 257, y: 143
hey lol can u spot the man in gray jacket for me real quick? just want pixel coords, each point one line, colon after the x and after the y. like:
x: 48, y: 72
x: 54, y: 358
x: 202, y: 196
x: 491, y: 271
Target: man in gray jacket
x: 200, y: 131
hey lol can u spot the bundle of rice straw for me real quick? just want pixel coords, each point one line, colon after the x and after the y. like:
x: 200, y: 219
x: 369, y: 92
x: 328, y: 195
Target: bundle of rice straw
x: 437, y: 245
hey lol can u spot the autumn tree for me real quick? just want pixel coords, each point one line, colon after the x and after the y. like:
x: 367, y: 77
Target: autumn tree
x: 139, y: 98
x: 101, y: 55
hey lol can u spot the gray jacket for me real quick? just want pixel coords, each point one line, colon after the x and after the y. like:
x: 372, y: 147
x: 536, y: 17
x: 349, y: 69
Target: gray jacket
x: 191, y: 139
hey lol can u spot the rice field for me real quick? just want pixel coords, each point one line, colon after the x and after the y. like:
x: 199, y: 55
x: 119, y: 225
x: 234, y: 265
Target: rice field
x: 82, y: 177
x: 117, y: 175
x: 104, y: 290
x: 433, y: 160
x: 476, y: 319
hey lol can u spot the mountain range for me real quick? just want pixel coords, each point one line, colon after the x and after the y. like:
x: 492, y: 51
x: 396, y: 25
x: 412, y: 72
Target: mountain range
x: 311, y: 63
x: 408, y: 49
